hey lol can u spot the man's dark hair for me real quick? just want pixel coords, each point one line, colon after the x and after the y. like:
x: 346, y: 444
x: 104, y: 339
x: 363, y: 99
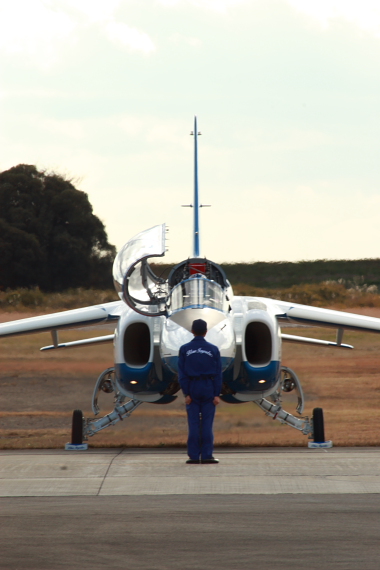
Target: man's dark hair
x: 199, y: 327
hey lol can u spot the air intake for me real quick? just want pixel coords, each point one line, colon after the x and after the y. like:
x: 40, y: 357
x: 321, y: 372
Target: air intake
x: 137, y: 344
x: 258, y: 343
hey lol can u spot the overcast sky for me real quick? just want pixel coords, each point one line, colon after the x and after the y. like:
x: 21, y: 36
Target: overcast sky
x: 287, y: 95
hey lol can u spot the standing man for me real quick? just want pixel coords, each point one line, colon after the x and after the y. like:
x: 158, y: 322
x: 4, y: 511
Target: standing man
x: 200, y: 377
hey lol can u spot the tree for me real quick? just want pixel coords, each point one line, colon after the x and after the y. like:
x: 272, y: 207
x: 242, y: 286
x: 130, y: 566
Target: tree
x: 49, y: 236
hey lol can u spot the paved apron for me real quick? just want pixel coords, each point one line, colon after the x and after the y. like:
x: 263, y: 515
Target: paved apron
x: 54, y: 473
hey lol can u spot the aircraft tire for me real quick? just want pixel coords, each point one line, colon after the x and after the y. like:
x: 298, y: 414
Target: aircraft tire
x: 77, y: 428
x: 318, y: 425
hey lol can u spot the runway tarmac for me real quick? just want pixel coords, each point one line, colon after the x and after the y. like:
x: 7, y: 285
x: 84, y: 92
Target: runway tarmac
x: 147, y: 509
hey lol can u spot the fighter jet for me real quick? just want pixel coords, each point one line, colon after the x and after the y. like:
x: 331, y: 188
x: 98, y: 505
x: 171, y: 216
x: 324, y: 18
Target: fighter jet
x: 153, y: 318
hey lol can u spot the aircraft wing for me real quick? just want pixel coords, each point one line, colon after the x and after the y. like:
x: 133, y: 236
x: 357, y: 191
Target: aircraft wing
x: 76, y: 318
x: 315, y: 316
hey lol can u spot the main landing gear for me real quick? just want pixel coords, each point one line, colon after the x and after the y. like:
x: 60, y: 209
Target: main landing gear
x: 312, y: 427
x: 83, y: 428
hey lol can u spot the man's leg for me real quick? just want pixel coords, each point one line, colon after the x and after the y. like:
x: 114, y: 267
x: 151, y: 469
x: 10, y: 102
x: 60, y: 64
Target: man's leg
x: 208, y: 414
x: 193, y: 443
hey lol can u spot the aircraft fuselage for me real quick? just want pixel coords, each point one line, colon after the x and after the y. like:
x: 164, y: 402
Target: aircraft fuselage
x: 247, y: 335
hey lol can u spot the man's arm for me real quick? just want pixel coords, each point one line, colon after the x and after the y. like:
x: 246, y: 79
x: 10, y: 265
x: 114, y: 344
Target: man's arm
x: 218, y: 379
x: 182, y: 377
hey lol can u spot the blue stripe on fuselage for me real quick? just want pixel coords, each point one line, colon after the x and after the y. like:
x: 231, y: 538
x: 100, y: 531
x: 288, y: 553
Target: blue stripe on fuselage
x: 144, y: 379
x: 147, y: 380
x: 268, y: 373
x: 248, y: 378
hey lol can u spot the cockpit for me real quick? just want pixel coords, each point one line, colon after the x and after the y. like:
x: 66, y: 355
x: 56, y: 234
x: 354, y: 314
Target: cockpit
x: 197, y: 284
x: 196, y: 293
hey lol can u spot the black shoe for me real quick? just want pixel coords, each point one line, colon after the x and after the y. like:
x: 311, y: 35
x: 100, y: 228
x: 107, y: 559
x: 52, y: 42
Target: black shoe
x: 211, y: 460
x: 191, y: 461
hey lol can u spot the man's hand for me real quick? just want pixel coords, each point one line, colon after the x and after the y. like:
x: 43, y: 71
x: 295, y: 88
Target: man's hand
x: 188, y: 400
x: 216, y: 400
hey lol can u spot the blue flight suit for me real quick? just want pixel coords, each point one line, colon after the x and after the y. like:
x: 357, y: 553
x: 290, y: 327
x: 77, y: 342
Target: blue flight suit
x: 200, y: 377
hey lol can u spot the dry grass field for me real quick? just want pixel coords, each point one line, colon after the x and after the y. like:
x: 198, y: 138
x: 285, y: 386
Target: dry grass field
x: 38, y: 392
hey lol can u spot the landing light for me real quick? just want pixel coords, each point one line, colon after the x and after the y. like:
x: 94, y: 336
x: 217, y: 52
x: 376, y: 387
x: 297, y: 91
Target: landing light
x: 133, y: 381
x: 262, y: 381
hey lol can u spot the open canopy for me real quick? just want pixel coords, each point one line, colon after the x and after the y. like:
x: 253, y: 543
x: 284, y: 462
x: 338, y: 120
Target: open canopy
x: 141, y: 289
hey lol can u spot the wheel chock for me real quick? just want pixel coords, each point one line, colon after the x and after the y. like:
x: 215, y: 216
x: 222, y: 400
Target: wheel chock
x: 76, y: 446
x: 320, y: 445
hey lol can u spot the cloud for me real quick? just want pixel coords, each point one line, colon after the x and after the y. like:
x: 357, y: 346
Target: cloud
x: 42, y: 30
x: 181, y: 39
x: 153, y: 130
x: 215, y: 5
x: 32, y: 28
x: 93, y: 10
x: 63, y: 128
x: 120, y: 33
x: 364, y: 14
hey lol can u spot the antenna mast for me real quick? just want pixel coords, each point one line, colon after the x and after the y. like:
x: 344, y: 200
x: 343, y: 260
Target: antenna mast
x: 196, y: 206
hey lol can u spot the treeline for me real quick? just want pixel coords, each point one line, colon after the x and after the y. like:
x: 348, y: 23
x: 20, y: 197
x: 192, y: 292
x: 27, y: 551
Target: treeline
x: 352, y: 290
x: 322, y: 283
x: 325, y: 294
x: 285, y: 274
x: 34, y: 299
